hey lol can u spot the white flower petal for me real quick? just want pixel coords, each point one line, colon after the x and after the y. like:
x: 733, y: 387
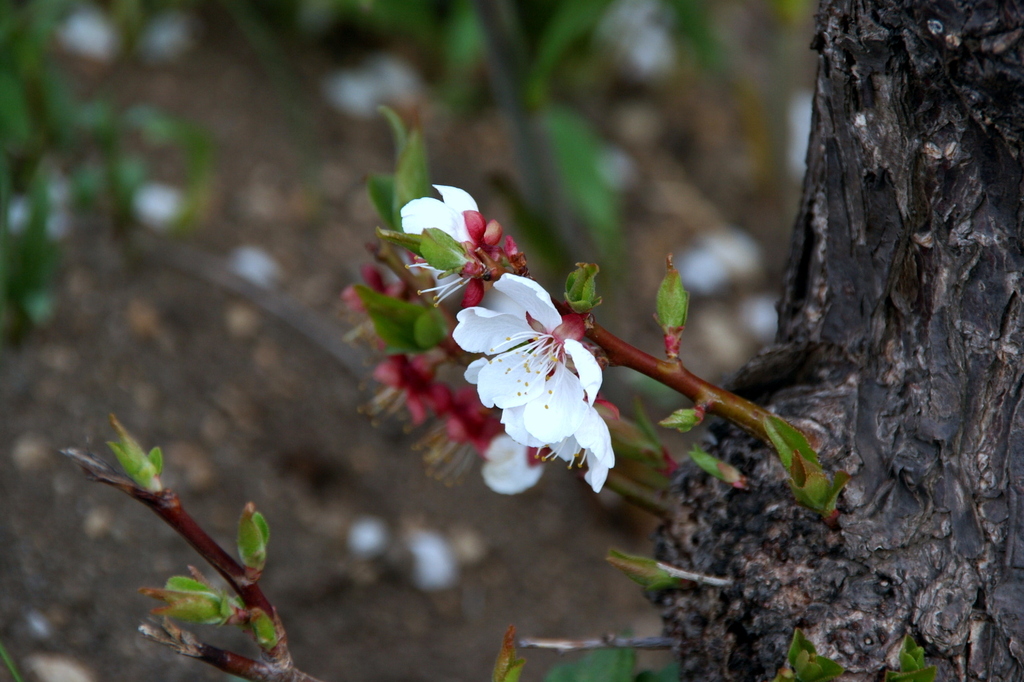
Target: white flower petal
x: 586, y: 366
x: 419, y: 214
x: 597, y: 474
x: 531, y: 297
x: 509, y: 380
x: 593, y: 435
x: 484, y: 331
x: 473, y: 371
x: 457, y: 199
x: 512, y: 418
x: 559, y: 409
x: 508, y: 469
x: 566, y: 449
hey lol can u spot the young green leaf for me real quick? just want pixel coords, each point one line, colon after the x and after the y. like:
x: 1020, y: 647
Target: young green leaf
x: 912, y: 667
x: 263, y: 628
x: 718, y: 468
x: 788, y: 440
x: 403, y: 326
x: 441, y: 251
x: 142, y: 468
x: 581, y: 288
x: 807, y: 665
x: 381, y: 189
x: 642, y: 570
x: 673, y: 300
x: 682, y: 420
x: 253, y: 535
x: 508, y: 668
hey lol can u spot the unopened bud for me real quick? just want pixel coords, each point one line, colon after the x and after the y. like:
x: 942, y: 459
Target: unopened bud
x: 647, y: 572
x: 191, y: 601
x: 492, y: 235
x: 141, y: 467
x: 581, y: 288
x: 253, y: 535
x: 474, y: 293
x: 263, y: 629
x: 673, y: 299
x: 683, y: 420
x: 476, y: 225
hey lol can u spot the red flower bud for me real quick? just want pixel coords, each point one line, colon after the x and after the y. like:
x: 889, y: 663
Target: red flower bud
x: 474, y: 293
x: 475, y: 224
x: 492, y: 234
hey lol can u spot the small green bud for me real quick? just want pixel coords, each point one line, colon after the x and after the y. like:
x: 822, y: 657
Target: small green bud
x: 673, y: 300
x: 581, y: 288
x: 406, y: 241
x: 912, y: 668
x: 807, y: 665
x: 441, y: 250
x: 683, y: 420
x: 142, y: 468
x: 253, y: 534
x: 508, y: 668
x: 263, y: 628
x: 642, y: 570
x: 191, y: 601
x: 718, y: 468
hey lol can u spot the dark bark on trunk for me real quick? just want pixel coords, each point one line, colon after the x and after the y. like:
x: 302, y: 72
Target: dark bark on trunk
x: 901, y: 349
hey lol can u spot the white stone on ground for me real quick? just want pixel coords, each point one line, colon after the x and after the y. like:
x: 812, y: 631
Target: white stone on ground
x: 166, y: 37
x: 58, y: 668
x: 434, y: 564
x: 368, y: 537
x: 88, y: 32
x: 760, y: 316
x: 719, y: 259
x: 156, y: 205
x: 255, y: 265
x: 380, y: 79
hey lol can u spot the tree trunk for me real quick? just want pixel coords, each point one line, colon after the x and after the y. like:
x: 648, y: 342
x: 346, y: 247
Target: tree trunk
x: 900, y: 350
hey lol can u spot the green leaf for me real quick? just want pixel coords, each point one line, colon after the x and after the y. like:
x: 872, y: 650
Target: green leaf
x: 673, y: 300
x: 156, y: 458
x: 441, y: 250
x: 181, y: 583
x: 788, y: 440
x: 399, y: 132
x: 381, y: 189
x: 15, y: 117
x: 642, y: 570
x: 581, y: 288
x: 716, y: 467
x: 682, y: 420
x: 508, y: 668
x: 606, y: 665
x: 406, y: 241
x: 142, y: 468
x: 403, y: 326
x: 412, y: 179
x: 578, y: 153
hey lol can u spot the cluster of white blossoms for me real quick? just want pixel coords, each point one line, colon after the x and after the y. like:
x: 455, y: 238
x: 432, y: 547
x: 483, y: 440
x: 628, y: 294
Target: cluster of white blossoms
x: 542, y: 378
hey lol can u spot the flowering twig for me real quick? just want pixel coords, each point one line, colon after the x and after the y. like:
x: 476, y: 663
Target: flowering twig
x: 277, y: 665
x: 605, y: 642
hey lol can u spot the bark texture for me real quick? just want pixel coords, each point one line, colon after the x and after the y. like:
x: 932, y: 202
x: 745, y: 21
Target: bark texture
x: 900, y: 350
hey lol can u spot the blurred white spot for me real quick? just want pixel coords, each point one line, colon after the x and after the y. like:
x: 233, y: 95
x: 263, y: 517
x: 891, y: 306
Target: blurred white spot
x: 87, y: 32
x: 800, y: 110
x: 156, y: 205
x: 508, y: 469
x: 760, y: 317
x: 17, y: 214
x: 434, y: 564
x: 617, y: 168
x: 255, y: 265
x: 166, y: 37
x: 718, y: 259
x: 639, y: 34
x: 381, y: 79
x: 57, y: 668
x: 368, y: 537
x: 38, y: 625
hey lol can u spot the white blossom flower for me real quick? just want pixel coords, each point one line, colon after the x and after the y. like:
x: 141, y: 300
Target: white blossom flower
x: 447, y: 216
x: 541, y: 376
x: 508, y: 469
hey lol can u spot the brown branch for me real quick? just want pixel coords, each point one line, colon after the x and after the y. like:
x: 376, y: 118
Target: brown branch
x: 185, y: 643
x: 605, y: 642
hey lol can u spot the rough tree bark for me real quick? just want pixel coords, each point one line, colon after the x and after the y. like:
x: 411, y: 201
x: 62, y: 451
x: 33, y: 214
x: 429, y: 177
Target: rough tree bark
x: 900, y: 350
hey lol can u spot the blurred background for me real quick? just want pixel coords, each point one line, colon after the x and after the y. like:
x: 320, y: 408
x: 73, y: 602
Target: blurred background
x: 182, y: 199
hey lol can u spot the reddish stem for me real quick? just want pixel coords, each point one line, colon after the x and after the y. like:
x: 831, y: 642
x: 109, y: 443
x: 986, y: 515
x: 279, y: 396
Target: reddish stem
x: 706, y: 396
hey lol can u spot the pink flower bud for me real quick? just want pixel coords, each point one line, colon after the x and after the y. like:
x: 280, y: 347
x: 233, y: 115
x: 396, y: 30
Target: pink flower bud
x: 475, y: 225
x: 474, y: 293
x: 492, y: 234
x: 510, y: 247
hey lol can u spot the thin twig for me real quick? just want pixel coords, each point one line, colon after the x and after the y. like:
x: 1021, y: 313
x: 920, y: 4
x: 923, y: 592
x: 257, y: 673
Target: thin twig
x: 694, y: 577
x: 605, y: 642
x: 185, y: 643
